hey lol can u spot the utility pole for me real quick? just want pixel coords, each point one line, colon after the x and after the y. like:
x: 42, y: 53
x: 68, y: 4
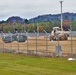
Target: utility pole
x: 61, y: 15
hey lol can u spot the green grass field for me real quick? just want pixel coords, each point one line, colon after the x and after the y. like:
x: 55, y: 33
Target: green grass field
x: 20, y: 64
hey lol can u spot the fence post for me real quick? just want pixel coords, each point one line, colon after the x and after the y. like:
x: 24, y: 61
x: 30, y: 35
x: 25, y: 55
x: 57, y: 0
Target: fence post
x: 18, y: 42
x: 27, y: 40
x: 46, y: 42
x: 10, y: 34
x: 36, y: 42
x: 3, y: 46
x: 71, y: 43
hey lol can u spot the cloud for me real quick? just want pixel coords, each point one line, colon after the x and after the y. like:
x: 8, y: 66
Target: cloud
x: 32, y: 8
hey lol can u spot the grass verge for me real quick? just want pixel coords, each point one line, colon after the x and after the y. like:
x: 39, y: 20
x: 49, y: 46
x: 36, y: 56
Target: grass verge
x: 20, y: 64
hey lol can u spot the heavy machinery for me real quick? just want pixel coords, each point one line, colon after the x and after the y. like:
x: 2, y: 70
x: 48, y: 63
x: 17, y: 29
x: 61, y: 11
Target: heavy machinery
x: 58, y: 34
x: 21, y: 38
x: 14, y: 37
x: 8, y: 38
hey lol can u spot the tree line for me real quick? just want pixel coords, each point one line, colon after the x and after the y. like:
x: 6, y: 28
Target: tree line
x: 40, y: 26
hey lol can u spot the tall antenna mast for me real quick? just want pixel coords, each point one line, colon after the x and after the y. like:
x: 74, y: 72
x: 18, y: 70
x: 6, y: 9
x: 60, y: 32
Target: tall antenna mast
x: 61, y: 15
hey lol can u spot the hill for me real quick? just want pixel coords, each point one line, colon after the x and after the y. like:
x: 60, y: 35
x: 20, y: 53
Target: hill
x: 53, y: 17
x: 45, y: 17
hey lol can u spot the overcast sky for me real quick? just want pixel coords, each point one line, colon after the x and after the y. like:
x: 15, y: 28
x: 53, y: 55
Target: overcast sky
x: 32, y: 8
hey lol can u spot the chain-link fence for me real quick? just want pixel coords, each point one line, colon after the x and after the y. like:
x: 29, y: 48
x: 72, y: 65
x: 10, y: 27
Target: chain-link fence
x: 33, y: 44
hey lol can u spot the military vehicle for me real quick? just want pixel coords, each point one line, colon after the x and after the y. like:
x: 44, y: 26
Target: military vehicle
x: 57, y: 33
x: 14, y: 37
x: 21, y: 38
x: 8, y: 38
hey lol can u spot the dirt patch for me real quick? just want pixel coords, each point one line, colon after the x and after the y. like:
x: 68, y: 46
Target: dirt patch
x: 40, y: 45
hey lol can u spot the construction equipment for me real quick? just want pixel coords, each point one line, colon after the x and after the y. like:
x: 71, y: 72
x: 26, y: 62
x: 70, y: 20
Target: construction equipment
x: 57, y: 33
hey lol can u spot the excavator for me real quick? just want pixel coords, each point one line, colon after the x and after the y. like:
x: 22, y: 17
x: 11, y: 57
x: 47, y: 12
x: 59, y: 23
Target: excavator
x: 58, y: 34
